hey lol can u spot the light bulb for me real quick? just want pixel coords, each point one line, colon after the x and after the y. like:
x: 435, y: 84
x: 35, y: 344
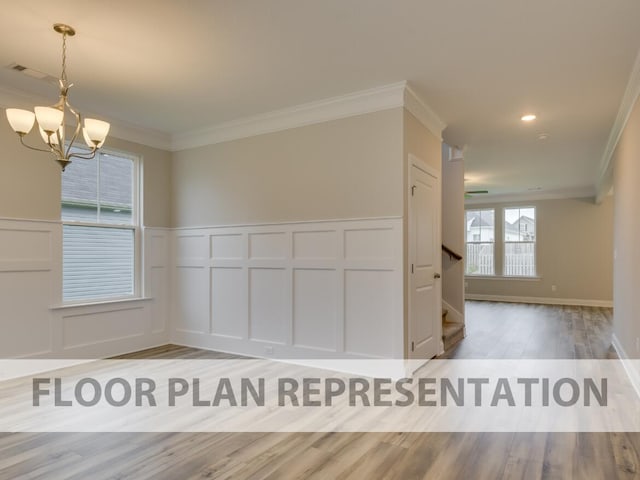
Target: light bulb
x: 95, y: 130
x: 53, y: 138
x: 89, y: 142
x: 49, y: 118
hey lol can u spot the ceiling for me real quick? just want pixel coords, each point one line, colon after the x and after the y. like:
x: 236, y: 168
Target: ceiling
x: 179, y: 66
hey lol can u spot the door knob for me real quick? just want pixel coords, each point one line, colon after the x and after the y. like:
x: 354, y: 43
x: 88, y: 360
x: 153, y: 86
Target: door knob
x: 436, y: 275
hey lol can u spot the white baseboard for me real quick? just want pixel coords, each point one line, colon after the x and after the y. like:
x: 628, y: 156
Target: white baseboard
x: 627, y: 363
x: 541, y: 300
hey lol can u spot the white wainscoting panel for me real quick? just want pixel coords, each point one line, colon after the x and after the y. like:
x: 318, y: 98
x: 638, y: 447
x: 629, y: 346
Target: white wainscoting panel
x: 315, y: 316
x: 26, y: 326
x: 309, y: 290
x: 91, y: 326
x: 315, y: 245
x: 192, y: 306
x: 28, y: 267
x: 268, y: 305
x: 229, y: 302
x: 157, y: 280
x: 191, y: 247
x: 34, y: 322
x: 369, y: 244
x: 368, y: 308
x: 268, y: 246
x: 229, y: 247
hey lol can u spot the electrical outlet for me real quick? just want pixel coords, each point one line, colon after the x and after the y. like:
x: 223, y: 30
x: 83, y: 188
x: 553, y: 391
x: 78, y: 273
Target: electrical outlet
x: 553, y: 288
x: 637, y: 344
x: 268, y: 350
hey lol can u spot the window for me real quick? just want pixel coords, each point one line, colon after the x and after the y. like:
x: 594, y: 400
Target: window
x: 520, y: 242
x: 480, y: 240
x: 99, y: 217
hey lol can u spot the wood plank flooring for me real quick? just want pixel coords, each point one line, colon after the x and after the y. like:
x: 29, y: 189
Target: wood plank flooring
x: 511, y: 330
x: 494, y: 331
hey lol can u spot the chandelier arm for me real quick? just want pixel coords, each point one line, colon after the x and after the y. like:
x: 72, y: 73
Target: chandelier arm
x: 78, y: 127
x: 60, y: 138
x: 34, y: 148
x: 57, y: 149
x: 84, y: 156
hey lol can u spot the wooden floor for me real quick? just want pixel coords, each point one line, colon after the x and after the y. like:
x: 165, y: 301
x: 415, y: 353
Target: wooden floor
x: 509, y: 330
x: 494, y: 331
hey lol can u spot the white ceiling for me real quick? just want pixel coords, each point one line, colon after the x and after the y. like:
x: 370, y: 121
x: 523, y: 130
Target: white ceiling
x: 178, y: 66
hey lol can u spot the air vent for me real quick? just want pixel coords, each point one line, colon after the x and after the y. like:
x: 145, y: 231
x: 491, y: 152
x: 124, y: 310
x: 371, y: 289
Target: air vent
x: 30, y: 72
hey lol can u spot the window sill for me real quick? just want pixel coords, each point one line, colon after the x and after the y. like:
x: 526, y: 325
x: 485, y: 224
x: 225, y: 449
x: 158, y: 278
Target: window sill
x: 98, y: 303
x: 502, y: 277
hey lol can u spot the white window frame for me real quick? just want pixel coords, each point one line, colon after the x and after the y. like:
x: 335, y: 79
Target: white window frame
x: 135, y: 226
x: 467, y: 242
x: 505, y: 242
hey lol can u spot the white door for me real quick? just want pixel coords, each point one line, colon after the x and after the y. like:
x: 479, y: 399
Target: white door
x: 424, y: 262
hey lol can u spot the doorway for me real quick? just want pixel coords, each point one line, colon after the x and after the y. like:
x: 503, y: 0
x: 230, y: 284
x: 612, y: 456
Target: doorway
x: 424, y: 323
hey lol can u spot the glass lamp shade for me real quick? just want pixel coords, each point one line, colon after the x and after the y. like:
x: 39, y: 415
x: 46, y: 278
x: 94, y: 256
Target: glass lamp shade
x: 20, y: 120
x: 49, y: 118
x: 89, y: 142
x: 95, y: 130
x: 53, y: 137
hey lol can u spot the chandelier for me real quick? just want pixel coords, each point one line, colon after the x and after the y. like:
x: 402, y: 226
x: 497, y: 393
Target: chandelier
x: 53, y: 120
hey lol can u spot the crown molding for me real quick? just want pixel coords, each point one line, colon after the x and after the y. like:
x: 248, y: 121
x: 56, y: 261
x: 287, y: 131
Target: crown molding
x: 372, y: 100
x: 352, y: 104
x: 120, y: 129
x: 423, y: 112
x: 604, y: 181
x: 395, y: 95
x: 141, y: 135
x: 579, y: 192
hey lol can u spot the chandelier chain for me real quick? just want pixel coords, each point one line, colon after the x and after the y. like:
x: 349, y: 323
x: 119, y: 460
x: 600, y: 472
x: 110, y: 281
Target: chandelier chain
x: 64, y: 59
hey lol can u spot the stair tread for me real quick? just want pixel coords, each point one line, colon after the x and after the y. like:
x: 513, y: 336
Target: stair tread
x: 452, y: 334
x: 450, y: 328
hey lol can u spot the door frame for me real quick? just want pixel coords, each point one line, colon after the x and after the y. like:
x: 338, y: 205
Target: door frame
x: 412, y: 161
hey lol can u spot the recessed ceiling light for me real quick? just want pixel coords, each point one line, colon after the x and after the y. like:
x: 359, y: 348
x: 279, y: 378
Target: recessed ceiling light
x: 529, y: 117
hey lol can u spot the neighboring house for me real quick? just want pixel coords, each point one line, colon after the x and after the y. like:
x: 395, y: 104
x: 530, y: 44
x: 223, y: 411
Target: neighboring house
x: 522, y: 230
x: 480, y: 237
x: 479, y: 228
x: 83, y: 196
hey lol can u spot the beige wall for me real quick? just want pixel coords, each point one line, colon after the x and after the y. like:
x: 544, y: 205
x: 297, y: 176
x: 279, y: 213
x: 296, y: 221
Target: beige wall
x: 421, y: 142
x: 627, y: 235
x: 574, y: 252
x: 348, y: 168
x: 30, y: 181
x: 453, y: 231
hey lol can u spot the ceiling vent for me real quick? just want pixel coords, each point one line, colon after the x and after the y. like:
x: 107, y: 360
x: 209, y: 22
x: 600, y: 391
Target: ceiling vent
x: 30, y: 72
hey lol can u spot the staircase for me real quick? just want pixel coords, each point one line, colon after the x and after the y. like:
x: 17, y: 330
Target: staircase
x: 452, y: 332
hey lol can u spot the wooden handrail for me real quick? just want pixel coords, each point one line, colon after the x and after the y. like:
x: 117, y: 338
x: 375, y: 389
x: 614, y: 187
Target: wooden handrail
x: 451, y: 253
